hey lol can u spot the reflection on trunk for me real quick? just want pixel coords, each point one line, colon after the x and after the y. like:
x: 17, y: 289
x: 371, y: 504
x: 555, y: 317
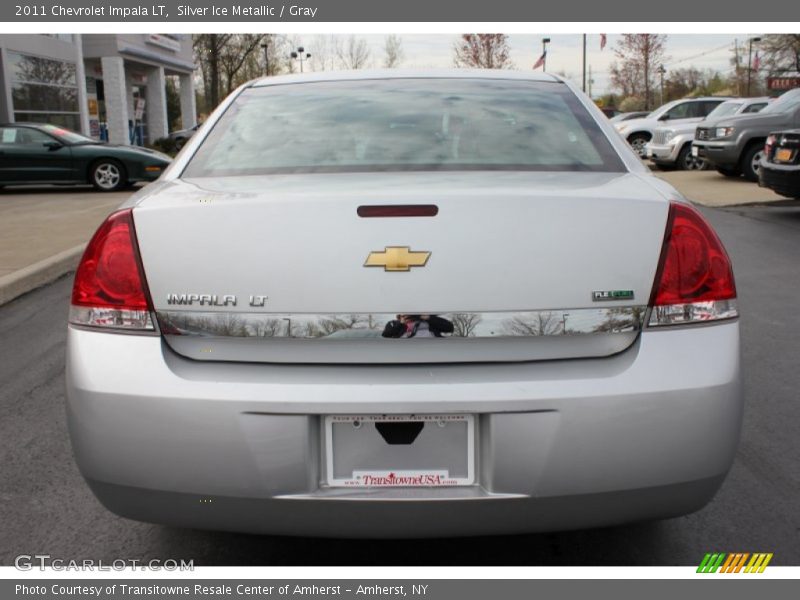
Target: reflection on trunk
x: 464, y: 324
x: 539, y: 323
x: 472, y: 325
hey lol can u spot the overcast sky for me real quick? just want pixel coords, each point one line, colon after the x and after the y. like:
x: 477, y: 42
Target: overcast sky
x: 703, y: 51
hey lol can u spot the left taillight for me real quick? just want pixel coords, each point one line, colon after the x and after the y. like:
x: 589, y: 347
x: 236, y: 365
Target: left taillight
x: 110, y: 290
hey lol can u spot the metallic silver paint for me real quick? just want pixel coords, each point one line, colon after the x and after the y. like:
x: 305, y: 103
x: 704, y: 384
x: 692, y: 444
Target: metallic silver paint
x: 564, y: 429
x: 648, y: 431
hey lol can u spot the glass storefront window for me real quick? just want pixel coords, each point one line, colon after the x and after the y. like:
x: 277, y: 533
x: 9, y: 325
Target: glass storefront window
x: 66, y: 120
x: 41, y: 70
x: 32, y: 96
x: 44, y: 90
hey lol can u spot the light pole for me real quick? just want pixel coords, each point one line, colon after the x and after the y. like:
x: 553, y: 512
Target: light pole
x: 265, y: 47
x: 301, y: 55
x: 750, y: 61
x: 584, y: 63
x: 661, y: 72
x: 545, y: 41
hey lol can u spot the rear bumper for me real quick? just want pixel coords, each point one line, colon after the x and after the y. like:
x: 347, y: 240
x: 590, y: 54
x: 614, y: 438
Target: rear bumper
x: 649, y: 433
x: 783, y: 179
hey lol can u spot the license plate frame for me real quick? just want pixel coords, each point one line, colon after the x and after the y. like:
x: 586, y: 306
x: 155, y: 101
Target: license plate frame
x: 399, y: 478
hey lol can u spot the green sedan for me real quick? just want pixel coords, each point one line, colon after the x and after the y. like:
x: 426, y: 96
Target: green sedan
x: 32, y: 153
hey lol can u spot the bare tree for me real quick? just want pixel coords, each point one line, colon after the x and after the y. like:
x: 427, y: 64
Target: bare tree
x: 781, y: 52
x: 323, y: 53
x: 207, y: 48
x: 482, y: 51
x: 266, y: 327
x: 240, y: 50
x: 541, y: 323
x: 393, y: 51
x: 639, y: 54
x: 352, y: 53
x: 227, y: 60
x: 464, y: 324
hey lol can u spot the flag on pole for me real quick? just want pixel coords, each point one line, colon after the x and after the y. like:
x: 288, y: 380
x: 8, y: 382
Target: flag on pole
x: 756, y: 61
x: 603, y: 40
x: 540, y: 62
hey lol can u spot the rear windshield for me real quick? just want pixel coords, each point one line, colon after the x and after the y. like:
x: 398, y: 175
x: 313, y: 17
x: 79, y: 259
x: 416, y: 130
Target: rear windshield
x: 404, y: 125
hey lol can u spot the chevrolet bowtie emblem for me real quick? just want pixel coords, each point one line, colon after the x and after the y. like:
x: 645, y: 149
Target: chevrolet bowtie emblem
x: 397, y: 258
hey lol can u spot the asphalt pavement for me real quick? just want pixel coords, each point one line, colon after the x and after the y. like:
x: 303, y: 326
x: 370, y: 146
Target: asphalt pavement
x: 45, y: 507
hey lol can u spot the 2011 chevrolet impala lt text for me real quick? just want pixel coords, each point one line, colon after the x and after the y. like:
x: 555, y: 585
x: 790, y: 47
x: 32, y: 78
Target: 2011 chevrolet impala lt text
x: 391, y: 304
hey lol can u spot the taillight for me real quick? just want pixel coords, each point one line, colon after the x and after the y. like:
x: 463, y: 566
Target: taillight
x: 769, y: 145
x: 694, y: 281
x: 110, y: 289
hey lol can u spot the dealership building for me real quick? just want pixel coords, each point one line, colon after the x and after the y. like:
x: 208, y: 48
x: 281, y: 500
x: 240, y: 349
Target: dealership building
x: 110, y: 87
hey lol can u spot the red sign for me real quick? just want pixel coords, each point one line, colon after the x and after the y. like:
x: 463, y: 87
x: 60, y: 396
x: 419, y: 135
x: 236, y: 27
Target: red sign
x: 778, y: 84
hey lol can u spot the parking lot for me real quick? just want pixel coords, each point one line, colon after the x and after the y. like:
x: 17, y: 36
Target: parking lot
x: 47, y: 508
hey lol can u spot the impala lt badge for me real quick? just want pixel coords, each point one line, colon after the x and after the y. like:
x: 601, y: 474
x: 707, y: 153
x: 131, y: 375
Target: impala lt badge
x: 397, y: 258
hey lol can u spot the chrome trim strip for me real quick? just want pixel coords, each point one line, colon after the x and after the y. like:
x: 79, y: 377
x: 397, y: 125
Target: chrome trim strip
x: 333, y: 327
x: 694, y: 312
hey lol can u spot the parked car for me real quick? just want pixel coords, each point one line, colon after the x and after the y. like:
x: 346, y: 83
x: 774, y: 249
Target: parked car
x: 678, y: 112
x: 582, y: 368
x: 734, y: 145
x: 671, y: 146
x: 35, y: 153
x: 780, y: 165
x: 182, y: 135
x: 627, y: 116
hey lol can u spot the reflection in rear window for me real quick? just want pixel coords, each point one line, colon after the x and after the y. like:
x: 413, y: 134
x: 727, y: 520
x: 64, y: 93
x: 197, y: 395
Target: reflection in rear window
x: 404, y: 124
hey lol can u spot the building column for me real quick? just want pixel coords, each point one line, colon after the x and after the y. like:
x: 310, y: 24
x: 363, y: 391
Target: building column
x: 116, y: 95
x: 80, y: 75
x: 156, y: 108
x: 6, y: 100
x: 188, y: 108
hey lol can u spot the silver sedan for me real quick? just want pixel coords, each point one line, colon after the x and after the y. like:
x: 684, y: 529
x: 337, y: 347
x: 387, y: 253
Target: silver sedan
x: 404, y: 304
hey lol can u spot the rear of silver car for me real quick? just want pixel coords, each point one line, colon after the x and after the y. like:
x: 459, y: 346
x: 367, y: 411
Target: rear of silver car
x: 228, y: 359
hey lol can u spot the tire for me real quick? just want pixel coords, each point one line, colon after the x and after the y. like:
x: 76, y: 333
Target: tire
x: 108, y: 175
x: 637, y: 142
x: 728, y: 172
x: 749, y: 163
x: 687, y: 162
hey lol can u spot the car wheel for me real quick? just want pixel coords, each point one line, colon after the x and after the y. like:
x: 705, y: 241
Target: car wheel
x: 728, y: 172
x: 638, y: 141
x: 687, y: 162
x: 108, y: 175
x: 750, y: 162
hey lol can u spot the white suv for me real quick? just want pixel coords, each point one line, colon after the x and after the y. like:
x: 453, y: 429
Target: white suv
x: 678, y: 112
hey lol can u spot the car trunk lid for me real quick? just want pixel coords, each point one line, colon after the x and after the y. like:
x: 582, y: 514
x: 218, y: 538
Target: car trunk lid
x: 526, y: 265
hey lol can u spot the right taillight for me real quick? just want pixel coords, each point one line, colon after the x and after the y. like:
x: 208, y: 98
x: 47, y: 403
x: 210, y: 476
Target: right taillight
x: 110, y: 291
x: 694, y: 281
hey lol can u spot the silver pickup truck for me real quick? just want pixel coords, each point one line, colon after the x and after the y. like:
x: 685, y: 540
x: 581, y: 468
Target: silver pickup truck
x: 734, y: 145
